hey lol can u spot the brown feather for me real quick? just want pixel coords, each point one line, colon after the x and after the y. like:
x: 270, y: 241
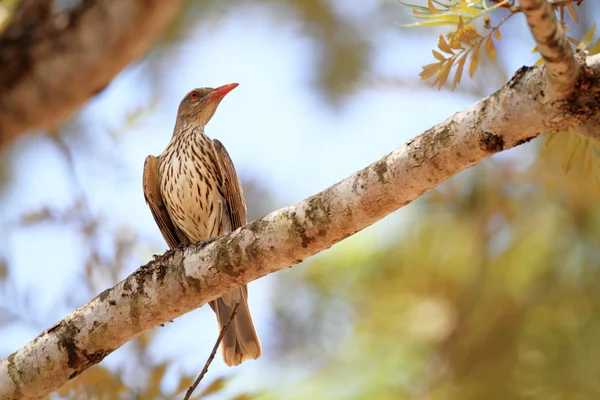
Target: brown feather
x: 151, y: 181
x: 232, y: 187
x: 242, y: 341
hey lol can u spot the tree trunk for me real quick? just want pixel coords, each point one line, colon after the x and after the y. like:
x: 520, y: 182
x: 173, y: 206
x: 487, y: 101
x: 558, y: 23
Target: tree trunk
x: 51, y: 63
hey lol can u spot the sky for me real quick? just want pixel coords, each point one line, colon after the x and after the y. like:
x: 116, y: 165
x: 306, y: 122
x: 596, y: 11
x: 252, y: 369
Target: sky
x: 275, y: 127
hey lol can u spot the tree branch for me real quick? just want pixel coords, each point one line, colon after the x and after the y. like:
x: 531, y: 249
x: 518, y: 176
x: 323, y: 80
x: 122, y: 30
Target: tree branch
x: 184, y: 279
x: 553, y: 45
x: 50, y: 63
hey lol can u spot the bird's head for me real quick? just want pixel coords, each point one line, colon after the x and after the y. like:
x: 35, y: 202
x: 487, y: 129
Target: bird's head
x: 199, y: 105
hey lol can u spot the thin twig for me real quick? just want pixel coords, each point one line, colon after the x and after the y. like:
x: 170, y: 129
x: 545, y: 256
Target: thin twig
x: 212, y: 354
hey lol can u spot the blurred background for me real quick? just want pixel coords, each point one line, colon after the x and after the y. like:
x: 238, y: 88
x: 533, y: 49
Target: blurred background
x: 486, y: 287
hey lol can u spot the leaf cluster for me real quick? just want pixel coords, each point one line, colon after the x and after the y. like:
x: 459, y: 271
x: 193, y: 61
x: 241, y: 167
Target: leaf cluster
x: 491, y: 290
x: 473, y: 29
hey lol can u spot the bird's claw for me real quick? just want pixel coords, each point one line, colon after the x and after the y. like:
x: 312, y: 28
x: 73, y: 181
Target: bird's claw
x: 206, y: 242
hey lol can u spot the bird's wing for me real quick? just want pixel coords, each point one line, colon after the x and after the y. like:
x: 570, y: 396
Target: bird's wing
x: 155, y: 201
x: 232, y: 188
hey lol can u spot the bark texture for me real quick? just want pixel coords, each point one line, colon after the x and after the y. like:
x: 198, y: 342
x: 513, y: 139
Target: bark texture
x: 184, y: 279
x: 553, y: 45
x: 52, y: 61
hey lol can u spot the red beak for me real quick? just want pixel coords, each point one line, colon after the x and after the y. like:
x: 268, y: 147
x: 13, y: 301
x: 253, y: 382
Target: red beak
x: 221, y: 91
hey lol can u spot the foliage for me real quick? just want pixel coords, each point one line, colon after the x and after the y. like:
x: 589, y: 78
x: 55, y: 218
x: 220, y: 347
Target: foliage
x: 6, y: 9
x: 490, y: 294
x: 463, y: 42
x: 100, y: 383
x: 466, y: 41
x: 467, y: 38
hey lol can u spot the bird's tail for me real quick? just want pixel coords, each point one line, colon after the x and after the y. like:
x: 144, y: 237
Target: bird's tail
x: 240, y: 341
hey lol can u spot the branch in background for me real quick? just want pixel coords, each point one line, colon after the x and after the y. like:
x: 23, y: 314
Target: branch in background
x: 553, y: 45
x: 39, y: 86
x: 191, y: 389
x: 186, y: 278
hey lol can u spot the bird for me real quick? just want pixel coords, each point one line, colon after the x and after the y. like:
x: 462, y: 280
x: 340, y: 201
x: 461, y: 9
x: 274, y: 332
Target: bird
x: 194, y: 194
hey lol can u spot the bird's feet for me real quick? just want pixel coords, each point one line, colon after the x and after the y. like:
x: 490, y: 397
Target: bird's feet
x: 206, y: 242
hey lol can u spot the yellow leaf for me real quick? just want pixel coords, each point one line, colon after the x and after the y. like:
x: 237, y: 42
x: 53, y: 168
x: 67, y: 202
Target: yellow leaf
x: 439, y: 56
x: 572, y: 12
x: 595, y: 49
x: 573, y: 40
x: 430, y: 70
x: 448, y: 17
x: 472, y: 11
x: 550, y: 140
x: 471, y: 33
x: 491, y: 50
x: 497, y: 34
x: 474, y: 61
x: 215, y: 386
x: 587, y: 162
x: 443, y: 75
x: 443, y: 45
x: 572, y: 150
x: 449, y: 20
x: 460, y: 26
x: 432, y: 8
x: 539, y: 62
x: 487, y: 22
x: 155, y: 379
x: 459, y: 70
x: 243, y: 396
x: 587, y: 39
x: 184, y: 383
x: 455, y: 43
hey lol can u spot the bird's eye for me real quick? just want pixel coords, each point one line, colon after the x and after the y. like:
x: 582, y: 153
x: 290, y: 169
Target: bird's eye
x: 194, y: 95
